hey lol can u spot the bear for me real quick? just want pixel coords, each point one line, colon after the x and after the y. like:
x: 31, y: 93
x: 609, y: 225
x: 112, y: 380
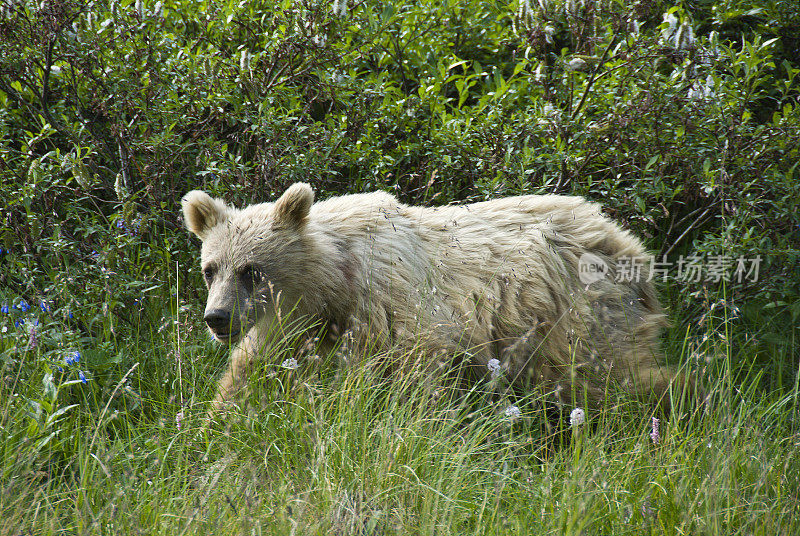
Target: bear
x: 536, y: 288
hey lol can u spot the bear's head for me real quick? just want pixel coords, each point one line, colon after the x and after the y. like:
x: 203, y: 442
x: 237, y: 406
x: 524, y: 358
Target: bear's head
x: 252, y: 259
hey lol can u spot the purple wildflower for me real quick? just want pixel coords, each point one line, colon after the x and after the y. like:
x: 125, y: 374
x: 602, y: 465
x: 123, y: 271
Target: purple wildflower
x: 134, y: 227
x: 654, y: 434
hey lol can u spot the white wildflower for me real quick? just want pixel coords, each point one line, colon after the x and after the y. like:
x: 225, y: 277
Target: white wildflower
x: 700, y: 92
x: 577, y: 417
x: 120, y: 188
x: 494, y: 367
x: 290, y: 363
x: 677, y: 34
x: 512, y: 413
x: 684, y: 38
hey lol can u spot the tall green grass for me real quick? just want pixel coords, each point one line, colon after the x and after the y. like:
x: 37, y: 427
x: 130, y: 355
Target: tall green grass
x: 337, y: 446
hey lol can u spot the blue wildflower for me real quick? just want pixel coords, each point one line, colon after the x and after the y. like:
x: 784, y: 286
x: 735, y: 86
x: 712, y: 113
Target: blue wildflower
x: 82, y: 376
x: 76, y: 357
x: 120, y: 224
x: 24, y: 307
x: 134, y: 228
x: 18, y: 322
x: 45, y: 306
x: 4, y: 309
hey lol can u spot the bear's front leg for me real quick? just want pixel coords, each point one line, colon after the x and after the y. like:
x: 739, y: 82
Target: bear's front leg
x: 240, y: 364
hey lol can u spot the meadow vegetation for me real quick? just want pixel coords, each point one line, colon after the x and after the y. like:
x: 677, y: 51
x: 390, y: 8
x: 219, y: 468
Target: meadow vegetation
x: 682, y: 118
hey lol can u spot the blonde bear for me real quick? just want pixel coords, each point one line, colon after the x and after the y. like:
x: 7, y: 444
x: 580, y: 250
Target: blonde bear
x: 543, y: 289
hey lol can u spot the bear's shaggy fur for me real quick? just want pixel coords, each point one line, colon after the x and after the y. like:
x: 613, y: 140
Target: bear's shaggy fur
x: 497, y: 280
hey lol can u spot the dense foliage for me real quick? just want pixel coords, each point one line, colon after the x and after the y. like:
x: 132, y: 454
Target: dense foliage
x: 681, y: 117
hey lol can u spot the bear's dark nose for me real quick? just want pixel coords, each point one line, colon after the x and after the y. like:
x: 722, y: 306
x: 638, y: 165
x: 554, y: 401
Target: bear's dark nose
x: 219, y: 320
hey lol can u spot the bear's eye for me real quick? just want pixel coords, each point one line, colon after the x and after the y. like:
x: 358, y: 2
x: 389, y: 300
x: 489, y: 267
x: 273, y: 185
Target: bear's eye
x: 208, y: 274
x: 249, y: 275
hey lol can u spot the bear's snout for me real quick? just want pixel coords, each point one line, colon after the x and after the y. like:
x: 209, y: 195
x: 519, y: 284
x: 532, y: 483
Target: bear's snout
x: 219, y: 321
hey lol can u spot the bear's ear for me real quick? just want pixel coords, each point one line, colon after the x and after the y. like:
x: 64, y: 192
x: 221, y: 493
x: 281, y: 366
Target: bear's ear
x: 201, y: 212
x: 293, y: 206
